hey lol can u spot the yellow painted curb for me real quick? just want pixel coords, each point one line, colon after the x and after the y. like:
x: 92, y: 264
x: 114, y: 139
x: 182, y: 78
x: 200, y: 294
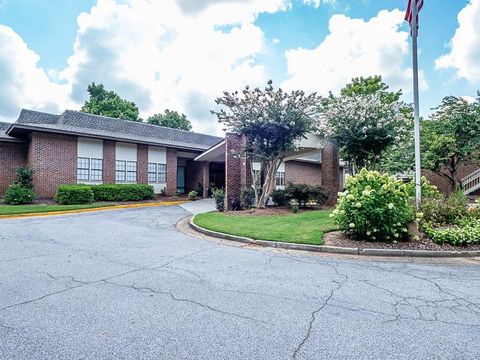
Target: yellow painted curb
x: 103, y: 208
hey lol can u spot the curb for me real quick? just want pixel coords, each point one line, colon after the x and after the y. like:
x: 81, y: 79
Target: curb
x: 80, y: 211
x: 336, y: 249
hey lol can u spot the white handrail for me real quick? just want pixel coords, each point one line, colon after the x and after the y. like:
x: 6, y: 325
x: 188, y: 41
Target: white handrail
x: 471, y: 182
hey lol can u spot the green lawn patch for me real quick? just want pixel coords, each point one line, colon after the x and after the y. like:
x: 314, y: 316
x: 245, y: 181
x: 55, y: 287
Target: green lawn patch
x: 26, y: 209
x: 305, y: 228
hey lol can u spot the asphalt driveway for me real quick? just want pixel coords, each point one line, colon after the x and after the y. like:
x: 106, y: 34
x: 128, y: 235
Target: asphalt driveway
x: 128, y: 285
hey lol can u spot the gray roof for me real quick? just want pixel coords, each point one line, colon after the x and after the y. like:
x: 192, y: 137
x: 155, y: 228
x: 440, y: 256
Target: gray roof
x: 78, y: 123
x: 3, y: 132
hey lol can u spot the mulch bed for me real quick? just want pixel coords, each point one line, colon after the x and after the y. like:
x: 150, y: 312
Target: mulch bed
x: 272, y: 210
x: 337, y: 238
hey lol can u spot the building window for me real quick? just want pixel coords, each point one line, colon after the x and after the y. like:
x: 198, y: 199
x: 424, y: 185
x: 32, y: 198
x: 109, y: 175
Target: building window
x: 120, y: 171
x: 152, y: 172
x: 89, y: 169
x: 257, y: 177
x: 162, y: 173
x: 131, y: 171
x: 157, y: 173
x: 280, y: 178
x: 96, y: 173
x: 83, y: 169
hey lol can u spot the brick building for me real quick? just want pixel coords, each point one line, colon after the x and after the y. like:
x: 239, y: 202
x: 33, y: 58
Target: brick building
x: 75, y: 147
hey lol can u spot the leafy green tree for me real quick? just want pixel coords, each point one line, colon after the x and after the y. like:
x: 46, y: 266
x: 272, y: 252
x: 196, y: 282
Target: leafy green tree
x: 171, y: 119
x: 272, y: 122
x: 451, y: 137
x: 109, y: 103
x: 364, y: 120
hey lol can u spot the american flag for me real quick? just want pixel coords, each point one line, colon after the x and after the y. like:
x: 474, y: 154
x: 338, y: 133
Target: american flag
x: 408, y: 14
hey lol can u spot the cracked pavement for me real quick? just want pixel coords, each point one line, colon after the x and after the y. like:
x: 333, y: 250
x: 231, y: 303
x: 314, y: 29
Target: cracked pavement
x: 128, y: 284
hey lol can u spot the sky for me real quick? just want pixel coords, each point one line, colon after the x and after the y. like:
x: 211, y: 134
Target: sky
x: 183, y: 54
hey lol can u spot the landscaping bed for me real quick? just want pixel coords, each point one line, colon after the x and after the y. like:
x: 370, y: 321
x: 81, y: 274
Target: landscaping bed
x: 337, y: 238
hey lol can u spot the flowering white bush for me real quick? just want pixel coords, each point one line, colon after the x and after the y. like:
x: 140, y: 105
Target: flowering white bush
x: 374, y: 207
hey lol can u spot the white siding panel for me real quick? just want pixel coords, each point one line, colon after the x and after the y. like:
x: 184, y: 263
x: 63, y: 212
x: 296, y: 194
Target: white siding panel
x: 90, y: 148
x: 157, y: 155
x: 126, y: 151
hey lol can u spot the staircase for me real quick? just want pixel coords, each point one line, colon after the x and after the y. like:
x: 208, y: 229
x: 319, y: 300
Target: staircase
x: 471, y: 182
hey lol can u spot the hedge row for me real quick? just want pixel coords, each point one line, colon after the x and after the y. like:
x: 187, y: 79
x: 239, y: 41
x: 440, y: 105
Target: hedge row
x: 86, y: 194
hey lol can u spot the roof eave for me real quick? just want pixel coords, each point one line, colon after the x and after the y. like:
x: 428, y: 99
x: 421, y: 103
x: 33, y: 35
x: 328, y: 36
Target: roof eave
x: 79, y: 133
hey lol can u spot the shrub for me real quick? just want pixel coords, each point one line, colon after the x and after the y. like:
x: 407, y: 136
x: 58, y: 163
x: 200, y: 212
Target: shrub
x: 247, y: 198
x: 163, y: 192
x: 429, y: 191
x: 294, y: 206
x: 219, y: 197
x: 441, y: 211
x: 74, y: 194
x: 16, y: 195
x: 318, y: 194
x: 24, y: 177
x: 279, y: 197
x: 122, y: 192
x: 374, y: 207
x: 298, y: 192
x: 192, y: 195
x: 467, y: 232
x: 304, y: 193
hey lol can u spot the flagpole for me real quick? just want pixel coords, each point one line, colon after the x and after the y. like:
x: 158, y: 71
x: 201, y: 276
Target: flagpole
x: 418, y: 166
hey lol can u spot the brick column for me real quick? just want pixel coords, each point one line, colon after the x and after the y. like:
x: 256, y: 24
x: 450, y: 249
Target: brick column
x: 237, y: 171
x: 109, y: 161
x: 142, y: 164
x: 331, y: 172
x: 206, y: 179
x: 53, y: 158
x: 171, y: 171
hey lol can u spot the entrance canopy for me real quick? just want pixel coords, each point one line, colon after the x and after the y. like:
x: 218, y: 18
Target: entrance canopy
x: 309, y: 147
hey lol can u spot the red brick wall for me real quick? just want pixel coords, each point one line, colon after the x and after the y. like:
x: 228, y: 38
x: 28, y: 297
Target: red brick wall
x: 142, y: 164
x: 237, y: 171
x: 297, y: 172
x: 171, y: 171
x: 12, y: 155
x: 197, y: 172
x: 109, y: 161
x: 53, y: 158
x: 331, y: 172
x: 443, y: 184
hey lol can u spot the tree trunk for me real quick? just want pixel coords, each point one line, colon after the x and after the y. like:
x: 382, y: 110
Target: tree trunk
x: 269, y: 183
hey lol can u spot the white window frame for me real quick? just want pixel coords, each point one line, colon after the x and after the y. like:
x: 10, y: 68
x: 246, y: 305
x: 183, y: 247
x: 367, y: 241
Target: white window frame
x: 280, y: 178
x: 159, y: 173
x: 125, y: 171
x: 89, y: 169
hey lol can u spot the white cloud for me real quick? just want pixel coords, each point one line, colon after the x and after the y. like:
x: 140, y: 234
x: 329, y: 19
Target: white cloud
x: 464, y: 55
x: 23, y: 82
x: 177, y: 54
x: 160, y: 57
x: 353, y: 48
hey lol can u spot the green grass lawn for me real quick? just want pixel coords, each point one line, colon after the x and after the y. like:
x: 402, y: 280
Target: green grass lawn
x: 305, y: 227
x: 24, y: 209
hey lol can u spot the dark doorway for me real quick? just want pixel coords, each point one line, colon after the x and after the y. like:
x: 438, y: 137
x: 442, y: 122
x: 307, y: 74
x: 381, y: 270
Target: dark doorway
x: 217, y: 175
x: 181, y: 179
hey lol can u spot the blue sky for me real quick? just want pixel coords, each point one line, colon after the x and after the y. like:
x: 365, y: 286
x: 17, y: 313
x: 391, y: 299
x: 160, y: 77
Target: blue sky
x: 182, y: 53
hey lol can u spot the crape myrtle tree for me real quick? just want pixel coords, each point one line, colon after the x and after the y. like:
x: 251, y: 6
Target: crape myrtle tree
x: 451, y: 137
x: 364, y: 121
x: 109, y: 103
x: 272, y: 122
